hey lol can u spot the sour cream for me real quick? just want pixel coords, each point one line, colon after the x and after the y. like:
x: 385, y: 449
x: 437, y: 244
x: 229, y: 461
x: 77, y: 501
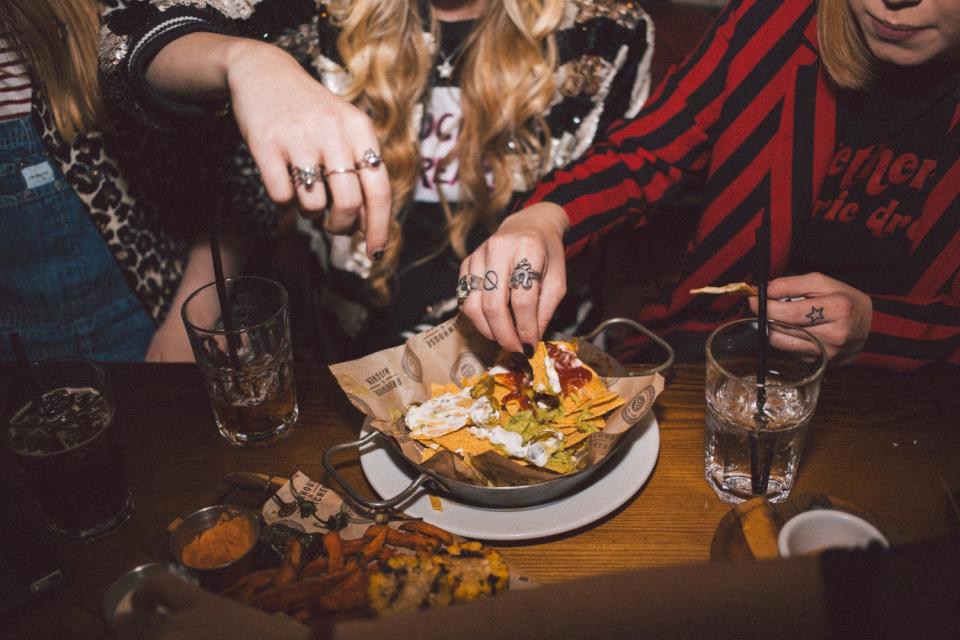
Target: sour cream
x: 552, y: 376
x: 448, y: 412
x: 537, y: 453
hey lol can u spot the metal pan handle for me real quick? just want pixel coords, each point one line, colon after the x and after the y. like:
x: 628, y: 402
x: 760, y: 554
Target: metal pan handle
x: 373, y: 505
x: 606, y: 324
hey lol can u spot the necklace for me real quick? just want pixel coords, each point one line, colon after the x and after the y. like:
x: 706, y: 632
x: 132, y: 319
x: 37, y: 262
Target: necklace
x: 446, y: 67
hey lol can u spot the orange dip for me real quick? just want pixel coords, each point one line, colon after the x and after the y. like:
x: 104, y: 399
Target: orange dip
x: 228, y: 540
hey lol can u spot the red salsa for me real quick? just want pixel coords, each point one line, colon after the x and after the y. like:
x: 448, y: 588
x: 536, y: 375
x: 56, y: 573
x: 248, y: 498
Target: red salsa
x: 571, y: 377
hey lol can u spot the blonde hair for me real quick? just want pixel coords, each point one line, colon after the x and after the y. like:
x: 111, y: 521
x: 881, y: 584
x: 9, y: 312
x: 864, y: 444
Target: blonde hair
x: 58, y: 38
x: 844, y: 53
x: 513, y: 45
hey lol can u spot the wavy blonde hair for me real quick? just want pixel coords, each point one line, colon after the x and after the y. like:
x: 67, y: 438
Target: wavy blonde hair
x: 513, y: 45
x: 844, y: 53
x: 58, y: 38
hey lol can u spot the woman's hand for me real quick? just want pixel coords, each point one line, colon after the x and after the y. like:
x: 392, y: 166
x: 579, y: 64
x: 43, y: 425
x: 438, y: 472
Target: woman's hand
x: 518, y: 277
x: 834, y: 312
x: 309, y: 144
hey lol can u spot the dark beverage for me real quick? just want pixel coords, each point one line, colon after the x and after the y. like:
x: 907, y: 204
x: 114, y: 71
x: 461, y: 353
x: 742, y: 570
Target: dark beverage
x: 253, y: 422
x: 247, y: 369
x: 256, y: 404
x: 65, y: 447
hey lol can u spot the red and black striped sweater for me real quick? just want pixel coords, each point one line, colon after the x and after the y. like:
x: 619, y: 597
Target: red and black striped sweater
x: 753, y: 112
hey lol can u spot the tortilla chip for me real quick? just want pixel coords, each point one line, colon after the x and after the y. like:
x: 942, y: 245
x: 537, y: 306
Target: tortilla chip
x: 739, y: 288
x: 605, y: 404
x: 541, y: 381
x: 440, y: 389
x: 463, y: 442
x: 575, y: 438
x: 594, y: 386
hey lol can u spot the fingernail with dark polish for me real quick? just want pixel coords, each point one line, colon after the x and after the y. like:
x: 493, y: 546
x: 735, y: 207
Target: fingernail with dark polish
x: 377, y: 254
x: 528, y: 350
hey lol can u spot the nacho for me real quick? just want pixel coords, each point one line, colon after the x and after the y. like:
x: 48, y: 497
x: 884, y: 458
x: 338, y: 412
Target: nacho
x: 536, y: 412
x: 739, y: 288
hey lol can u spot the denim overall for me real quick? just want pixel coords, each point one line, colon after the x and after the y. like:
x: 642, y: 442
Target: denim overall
x: 60, y: 287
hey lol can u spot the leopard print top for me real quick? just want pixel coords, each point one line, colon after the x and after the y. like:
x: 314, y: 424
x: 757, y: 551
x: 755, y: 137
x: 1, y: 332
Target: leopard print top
x: 151, y: 255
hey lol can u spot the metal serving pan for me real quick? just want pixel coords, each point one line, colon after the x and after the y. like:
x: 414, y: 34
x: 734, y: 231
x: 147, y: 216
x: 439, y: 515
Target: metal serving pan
x: 514, y: 496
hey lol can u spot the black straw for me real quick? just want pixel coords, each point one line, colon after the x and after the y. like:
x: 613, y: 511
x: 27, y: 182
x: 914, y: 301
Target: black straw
x: 226, y: 312
x: 760, y: 472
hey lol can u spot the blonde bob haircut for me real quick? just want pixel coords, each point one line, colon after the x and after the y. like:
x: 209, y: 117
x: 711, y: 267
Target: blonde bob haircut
x: 844, y: 53
x: 58, y: 39
x: 503, y: 133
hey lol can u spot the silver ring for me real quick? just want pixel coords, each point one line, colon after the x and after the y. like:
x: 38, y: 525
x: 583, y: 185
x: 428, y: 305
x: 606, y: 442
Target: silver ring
x: 306, y: 176
x: 465, y: 285
x: 523, y: 275
x: 331, y: 172
x: 369, y: 160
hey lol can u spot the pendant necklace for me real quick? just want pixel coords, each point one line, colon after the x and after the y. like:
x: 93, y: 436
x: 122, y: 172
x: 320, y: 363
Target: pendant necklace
x: 446, y: 68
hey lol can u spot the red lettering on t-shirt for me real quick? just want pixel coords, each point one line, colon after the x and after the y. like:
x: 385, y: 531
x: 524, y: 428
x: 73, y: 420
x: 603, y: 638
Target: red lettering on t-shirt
x: 926, y: 170
x: 876, y: 184
x: 861, y: 158
x: 840, y: 159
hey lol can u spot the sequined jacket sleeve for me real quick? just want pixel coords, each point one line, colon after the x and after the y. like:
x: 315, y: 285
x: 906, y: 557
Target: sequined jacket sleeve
x: 136, y: 30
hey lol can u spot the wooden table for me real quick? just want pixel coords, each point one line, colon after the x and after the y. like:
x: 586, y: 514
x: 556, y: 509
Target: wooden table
x: 889, y: 443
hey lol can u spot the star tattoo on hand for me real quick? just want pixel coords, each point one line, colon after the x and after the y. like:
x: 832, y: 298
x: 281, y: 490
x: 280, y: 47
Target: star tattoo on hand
x: 815, y: 315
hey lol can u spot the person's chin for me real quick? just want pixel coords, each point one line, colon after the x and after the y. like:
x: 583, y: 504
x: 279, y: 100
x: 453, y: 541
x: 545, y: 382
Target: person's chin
x: 901, y: 56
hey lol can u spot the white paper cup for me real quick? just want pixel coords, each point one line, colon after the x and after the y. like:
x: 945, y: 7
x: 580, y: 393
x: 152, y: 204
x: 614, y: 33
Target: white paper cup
x: 815, y: 531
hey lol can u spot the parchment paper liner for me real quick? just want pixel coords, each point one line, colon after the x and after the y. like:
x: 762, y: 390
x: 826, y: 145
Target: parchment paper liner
x: 384, y: 383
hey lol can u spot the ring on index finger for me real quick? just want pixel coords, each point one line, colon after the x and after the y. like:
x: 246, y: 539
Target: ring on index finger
x: 523, y: 275
x: 306, y: 176
x: 369, y: 160
x: 465, y: 285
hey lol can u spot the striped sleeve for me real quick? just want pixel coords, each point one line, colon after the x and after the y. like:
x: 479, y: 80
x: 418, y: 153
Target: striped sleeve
x: 646, y: 160
x: 16, y: 87
x: 907, y: 334
x: 923, y: 326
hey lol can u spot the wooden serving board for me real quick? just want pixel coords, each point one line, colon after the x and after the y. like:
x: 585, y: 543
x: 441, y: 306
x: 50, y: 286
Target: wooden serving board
x: 749, y: 530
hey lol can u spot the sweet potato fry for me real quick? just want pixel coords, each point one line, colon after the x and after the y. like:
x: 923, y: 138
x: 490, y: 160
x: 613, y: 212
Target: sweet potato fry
x: 290, y: 565
x: 427, y: 529
x: 315, y: 566
x: 334, y: 546
x: 373, y: 546
x: 297, y: 594
x: 351, y: 547
x: 244, y: 588
x: 374, y: 530
x: 350, y: 593
x: 412, y: 540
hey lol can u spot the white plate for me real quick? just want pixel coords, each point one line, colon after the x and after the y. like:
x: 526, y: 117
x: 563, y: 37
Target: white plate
x: 612, y: 486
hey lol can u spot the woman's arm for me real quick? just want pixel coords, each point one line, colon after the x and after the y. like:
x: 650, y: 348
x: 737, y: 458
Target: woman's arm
x: 290, y: 122
x: 641, y: 162
x: 170, y: 342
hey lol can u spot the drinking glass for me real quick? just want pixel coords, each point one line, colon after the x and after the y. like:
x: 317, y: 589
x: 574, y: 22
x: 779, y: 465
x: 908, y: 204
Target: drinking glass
x: 61, y: 431
x: 749, y: 453
x: 248, y: 368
